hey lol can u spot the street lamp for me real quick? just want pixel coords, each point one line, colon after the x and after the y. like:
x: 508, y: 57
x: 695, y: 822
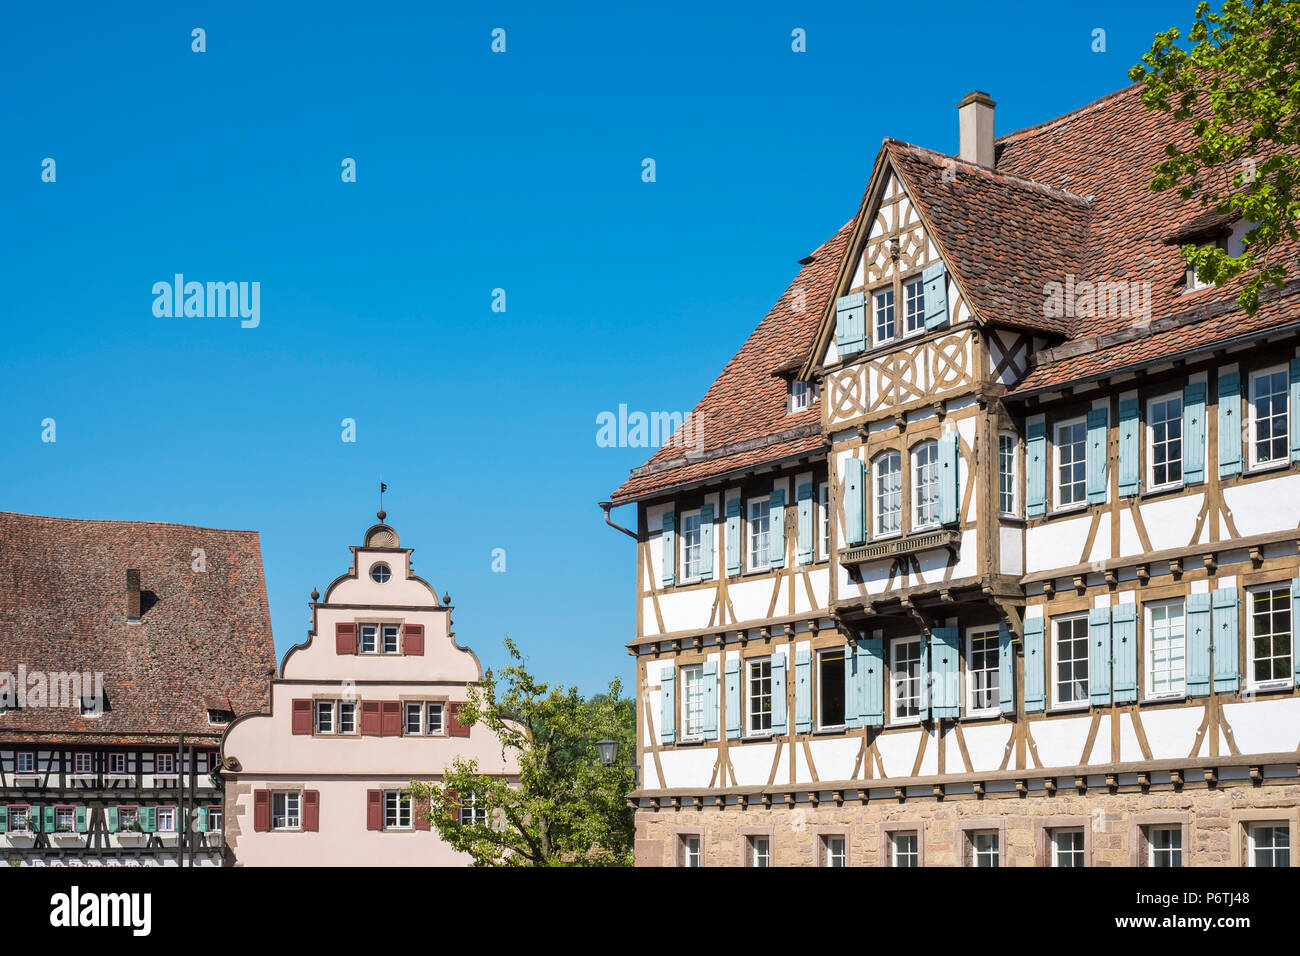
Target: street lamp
x: 608, y: 751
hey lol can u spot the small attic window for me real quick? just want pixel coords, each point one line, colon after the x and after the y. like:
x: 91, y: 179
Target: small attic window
x: 801, y: 396
x: 380, y: 573
x: 217, y: 716
x: 1193, y: 283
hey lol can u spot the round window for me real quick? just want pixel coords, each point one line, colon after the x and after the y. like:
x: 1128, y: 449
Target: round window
x: 380, y: 573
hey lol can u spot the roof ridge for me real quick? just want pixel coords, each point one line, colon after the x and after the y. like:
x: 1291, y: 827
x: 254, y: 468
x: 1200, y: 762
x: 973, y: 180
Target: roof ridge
x: 126, y: 521
x: 1037, y: 128
x: 1033, y: 184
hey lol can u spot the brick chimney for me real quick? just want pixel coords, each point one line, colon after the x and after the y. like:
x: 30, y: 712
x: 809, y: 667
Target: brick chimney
x: 975, y: 129
x: 132, y: 594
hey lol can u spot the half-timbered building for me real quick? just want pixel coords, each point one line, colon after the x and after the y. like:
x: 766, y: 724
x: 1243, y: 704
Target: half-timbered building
x: 126, y: 648
x: 989, y: 552
x: 365, y: 705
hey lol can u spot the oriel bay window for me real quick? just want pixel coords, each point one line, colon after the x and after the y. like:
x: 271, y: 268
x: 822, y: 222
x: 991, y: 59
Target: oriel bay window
x: 830, y: 688
x: 925, y: 485
x: 888, y: 494
x: 1269, y: 442
x: 1165, y: 441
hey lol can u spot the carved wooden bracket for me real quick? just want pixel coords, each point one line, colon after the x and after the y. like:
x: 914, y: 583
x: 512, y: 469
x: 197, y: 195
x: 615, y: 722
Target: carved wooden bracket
x: 1143, y: 573
x: 1050, y: 786
x: 1081, y: 583
x: 1257, y: 556
x: 1176, y: 568
x: 1211, y: 562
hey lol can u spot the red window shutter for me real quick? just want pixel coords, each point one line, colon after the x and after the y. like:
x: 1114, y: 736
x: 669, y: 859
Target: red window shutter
x: 302, y: 716
x: 392, y: 718
x: 370, y: 718
x: 311, y: 810
x: 261, y: 809
x: 413, y: 639
x: 345, y: 638
x: 421, y: 811
x: 452, y: 799
x: 374, y: 809
x: 454, y: 726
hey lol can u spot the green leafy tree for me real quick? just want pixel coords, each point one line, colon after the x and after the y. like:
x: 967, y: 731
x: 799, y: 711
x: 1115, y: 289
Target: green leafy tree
x: 1236, y: 83
x: 567, y: 809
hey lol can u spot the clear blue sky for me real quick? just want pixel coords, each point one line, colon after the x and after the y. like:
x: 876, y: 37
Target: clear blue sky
x: 476, y: 171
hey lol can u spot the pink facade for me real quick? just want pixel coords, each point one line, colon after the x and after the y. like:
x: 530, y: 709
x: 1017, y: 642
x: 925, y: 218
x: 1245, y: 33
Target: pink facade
x: 366, y: 705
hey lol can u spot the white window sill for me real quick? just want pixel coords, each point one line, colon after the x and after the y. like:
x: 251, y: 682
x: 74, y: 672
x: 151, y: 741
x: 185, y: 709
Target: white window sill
x: 1165, y: 697
x: 1072, y: 705
x: 1272, y: 685
x: 1257, y: 467
x: 922, y: 528
x: 832, y: 729
x: 894, y: 721
x: 1167, y: 486
x: 885, y: 536
x: 1069, y: 509
x: 983, y: 714
x: 759, y: 735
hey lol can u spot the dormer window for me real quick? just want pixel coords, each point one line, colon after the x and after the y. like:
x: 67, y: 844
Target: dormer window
x: 1193, y: 283
x: 380, y: 573
x: 217, y: 717
x: 802, y: 395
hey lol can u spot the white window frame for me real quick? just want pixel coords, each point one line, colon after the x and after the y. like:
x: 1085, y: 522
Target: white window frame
x: 993, y: 709
x: 1252, y: 829
x: 1152, y: 849
x: 917, y: 285
x: 395, y: 803
x: 115, y: 760
x: 760, y: 859
x: 429, y: 707
x: 692, y: 849
x: 1149, y: 609
x: 759, y: 508
x: 802, y: 395
x: 77, y: 763
x: 166, y: 820
x: 750, y: 713
x: 844, y: 662
x: 1054, y: 672
x: 976, y: 852
x: 930, y: 447
x: 352, y: 704
x: 877, y: 496
x: 322, y: 708
x: 1008, y: 469
x: 1274, y: 683
x: 164, y: 764
x: 1057, y: 850
x: 878, y: 309
x: 387, y: 630
x: 25, y: 766
x: 894, y: 648
x: 287, y: 798
x: 913, y: 853
x: 471, y: 813
x: 823, y: 520
x: 1057, y: 444
x: 419, y: 718
x: 696, y: 673
x: 690, y: 572
x: 1252, y: 449
x: 835, y: 850
x: 373, y: 639
x: 216, y: 819
x: 1150, y: 429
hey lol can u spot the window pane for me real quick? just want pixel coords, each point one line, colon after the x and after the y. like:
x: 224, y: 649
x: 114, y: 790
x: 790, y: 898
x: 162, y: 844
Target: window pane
x: 760, y: 695
x: 830, y: 688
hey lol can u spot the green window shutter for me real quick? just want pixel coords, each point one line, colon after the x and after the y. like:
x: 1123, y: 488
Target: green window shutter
x: 778, y: 694
x: 706, y: 542
x: 1098, y: 420
x: 81, y: 819
x: 853, y: 660
x: 850, y: 324
x: 1294, y: 417
x: 1006, y: 671
x: 1227, y: 674
x: 49, y: 820
x: 1035, y: 674
x: 945, y: 690
x: 1099, y: 654
x: 872, y: 676
x: 201, y: 820
x: 1230, y: 436
x: 855, y: 525
x: 4, y: 819
x: 802, y: 691
x: 1124, y: 650
x: 733, y: 537
x: 776, y: 529
x: 110, y: 818
x: 1194, y: 433
x: 949, y: 478
x: 805, y: 499
x: 148, y: 819
x: 1198, y: 645
x: 1036, y: 469
x: 668, y: 708
x: 934, y: 282
x: 669, y: 549
x: 1295, y: 616
x: 1130, y: 464
x: 732, y: 672
x: 710, y: 675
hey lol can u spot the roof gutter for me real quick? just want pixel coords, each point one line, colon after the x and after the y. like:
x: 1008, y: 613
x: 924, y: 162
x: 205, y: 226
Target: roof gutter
x: 605, y: 506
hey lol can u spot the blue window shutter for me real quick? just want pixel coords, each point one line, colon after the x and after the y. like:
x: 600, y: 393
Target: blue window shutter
x: 1099, y: 654
x: 855, y: 525
x: 1194, y: 433
x: 871, y: 673
x: 1230, y: 436
x: 668, y: 708
x: 1227, y: 673
x: 733, y: 699
x: 1130, y: 464
x: 668, y: 547
x: 1124, y: 650
x: 850, y: 323
x: 1036, y: 469
x: 805, y: 497
x: 949, y: 478
x: 110, y: 819
x: 201, y: 820
x: 1295, y: 616
x: 778, y: 694
x: 1035, y: 674
x: 852, y: 686
x: 1006, y: 671
x: 733, y: 537
x: 1294, y: 416
x: 1098, y: 419
x: 706, y: 541
x: 945, y: 692
x: 802, y: 691
x: 1198, y: 645
x: 776, y: 529
x: 934, y: 282
x: 709, y: 672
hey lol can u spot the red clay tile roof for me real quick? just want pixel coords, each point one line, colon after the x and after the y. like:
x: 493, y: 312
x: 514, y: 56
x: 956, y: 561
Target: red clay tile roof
x: 742, y: 418
x: 202, y: 635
